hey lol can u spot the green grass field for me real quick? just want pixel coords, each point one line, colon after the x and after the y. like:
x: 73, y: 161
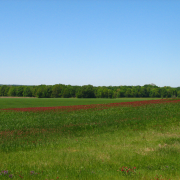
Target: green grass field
x: 138, y: 143
x: 48, y: 102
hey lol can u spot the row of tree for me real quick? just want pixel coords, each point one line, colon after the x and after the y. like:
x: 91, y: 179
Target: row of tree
x: 88, y: 91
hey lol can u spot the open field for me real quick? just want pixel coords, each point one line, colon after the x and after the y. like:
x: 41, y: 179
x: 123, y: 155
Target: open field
x: 107, y: 142
x: 49, y: 102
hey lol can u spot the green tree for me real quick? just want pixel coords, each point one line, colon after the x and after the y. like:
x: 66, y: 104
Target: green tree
x: 4, y: 90
x: 143, y: 92
x: 110, y: 93
x: 128, y: 93
x: 134, y: 92
x: 48, y: 91
x: 178, y: 94
x: 44, y: 91
x: 56, y: 90
x: 169, y: 93
x: 120, y: 93
x: 99, y: 92
x: 19, y: 91
x: 86, y: 91
x: 12, y: 91
x: 105, y: 92
x: 163, y: 92
x: 40, y: 93
x: 66, y: 93
x: 155, y: 92
x: 27, y: 92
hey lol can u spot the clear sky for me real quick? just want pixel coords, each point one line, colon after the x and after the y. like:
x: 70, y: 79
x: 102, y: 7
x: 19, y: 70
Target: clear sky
x: 97, y: 42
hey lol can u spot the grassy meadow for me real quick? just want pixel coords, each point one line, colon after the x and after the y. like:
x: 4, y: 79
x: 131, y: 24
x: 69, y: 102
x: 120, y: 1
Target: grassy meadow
x: 124, y: 142
x: 49, y: 102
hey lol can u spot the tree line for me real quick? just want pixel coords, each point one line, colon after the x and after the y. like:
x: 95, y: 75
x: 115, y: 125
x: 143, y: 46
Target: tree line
x: 88, y: 91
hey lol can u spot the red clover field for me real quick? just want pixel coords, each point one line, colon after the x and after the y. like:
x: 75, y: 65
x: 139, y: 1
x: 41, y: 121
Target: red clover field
x: 137, y: 140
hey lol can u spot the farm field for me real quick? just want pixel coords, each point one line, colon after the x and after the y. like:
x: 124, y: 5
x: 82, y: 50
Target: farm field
x: 49, y: 102
x: 132, y: 140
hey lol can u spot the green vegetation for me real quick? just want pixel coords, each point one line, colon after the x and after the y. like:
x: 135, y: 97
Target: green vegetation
x: 139, y: 142
x: 49, y: 102
x: 89, y: 91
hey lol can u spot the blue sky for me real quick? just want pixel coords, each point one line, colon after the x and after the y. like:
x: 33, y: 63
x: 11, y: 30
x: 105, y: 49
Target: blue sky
x: 98, y: 42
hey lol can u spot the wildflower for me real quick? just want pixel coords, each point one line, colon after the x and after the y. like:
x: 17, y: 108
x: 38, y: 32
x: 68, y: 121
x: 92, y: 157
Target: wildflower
x: 32, y: 172
x: 5, y: 172
x: 10, y: 175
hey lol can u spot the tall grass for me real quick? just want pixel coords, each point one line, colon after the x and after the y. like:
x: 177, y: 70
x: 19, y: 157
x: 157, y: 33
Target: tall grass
x: 49, y: 102
x: 116, y: 143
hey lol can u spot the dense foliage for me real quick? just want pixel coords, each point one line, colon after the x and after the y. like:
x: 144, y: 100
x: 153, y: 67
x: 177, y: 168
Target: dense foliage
x: 89, y: 91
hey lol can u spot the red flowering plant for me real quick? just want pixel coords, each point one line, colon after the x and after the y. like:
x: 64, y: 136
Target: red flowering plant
x: 93, y: 106
x: 128, y: 171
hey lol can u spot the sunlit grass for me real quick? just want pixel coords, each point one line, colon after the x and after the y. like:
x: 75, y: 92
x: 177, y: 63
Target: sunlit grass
x: 92, y: 144
x: 49, y: 102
